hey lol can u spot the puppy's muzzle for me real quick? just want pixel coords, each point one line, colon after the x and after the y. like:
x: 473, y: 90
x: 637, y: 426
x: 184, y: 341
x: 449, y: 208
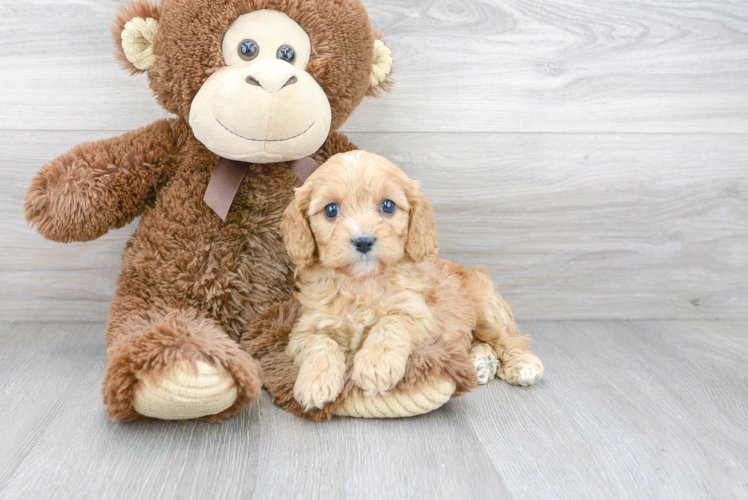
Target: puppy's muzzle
x: 363, y: 244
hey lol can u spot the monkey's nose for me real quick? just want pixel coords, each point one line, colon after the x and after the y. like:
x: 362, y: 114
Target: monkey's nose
x: 364, y: 244
x: 290, y: 81
x: 254, y: 81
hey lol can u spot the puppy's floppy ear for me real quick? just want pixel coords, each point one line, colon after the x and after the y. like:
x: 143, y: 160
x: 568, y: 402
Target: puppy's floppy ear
x: 422, y: 241
x: 296, y: 231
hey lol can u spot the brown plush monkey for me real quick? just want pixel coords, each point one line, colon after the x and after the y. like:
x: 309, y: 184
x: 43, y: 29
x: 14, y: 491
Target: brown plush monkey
x: 254, y: 85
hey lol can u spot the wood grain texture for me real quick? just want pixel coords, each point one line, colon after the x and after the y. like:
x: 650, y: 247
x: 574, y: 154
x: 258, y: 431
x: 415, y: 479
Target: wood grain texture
x: 571, y: 226
x: 652, y: 409
x: 592, y: 157
x: 68, y: 448
x: 628, y: 410
x: 461, y: 65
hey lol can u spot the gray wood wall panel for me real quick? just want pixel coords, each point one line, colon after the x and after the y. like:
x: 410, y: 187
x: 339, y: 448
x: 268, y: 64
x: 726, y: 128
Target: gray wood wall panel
x: 591, y: 226
x: 571, y: 226
x: 467, y: 65
x: 594, y: 157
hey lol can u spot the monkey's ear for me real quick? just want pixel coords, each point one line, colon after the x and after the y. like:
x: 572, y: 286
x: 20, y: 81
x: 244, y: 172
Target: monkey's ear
x: 133, y: 30
x: 297, y: 235
x: 380, y: 78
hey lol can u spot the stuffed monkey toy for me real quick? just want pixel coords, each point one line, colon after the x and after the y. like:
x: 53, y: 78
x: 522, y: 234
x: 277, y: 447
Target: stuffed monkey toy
x: 257, y: 90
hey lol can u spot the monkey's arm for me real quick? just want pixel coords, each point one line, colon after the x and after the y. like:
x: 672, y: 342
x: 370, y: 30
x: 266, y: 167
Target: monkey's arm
x: 101, y: 185
x: 335, y: 143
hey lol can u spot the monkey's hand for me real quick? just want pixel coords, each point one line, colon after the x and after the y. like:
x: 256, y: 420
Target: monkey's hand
x: 97, y: 186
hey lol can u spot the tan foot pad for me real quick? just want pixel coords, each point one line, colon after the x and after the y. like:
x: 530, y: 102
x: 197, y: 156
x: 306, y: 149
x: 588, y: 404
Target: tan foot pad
x: 398, y: 404
x: 184, y: 394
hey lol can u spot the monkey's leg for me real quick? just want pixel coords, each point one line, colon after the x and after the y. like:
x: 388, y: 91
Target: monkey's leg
x: 172, y: 364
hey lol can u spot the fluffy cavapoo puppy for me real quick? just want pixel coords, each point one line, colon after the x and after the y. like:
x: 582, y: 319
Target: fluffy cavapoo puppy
x: 363, y: 238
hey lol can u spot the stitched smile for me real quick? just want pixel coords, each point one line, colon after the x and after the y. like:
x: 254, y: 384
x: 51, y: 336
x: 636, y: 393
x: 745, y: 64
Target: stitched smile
x: 265, y: 140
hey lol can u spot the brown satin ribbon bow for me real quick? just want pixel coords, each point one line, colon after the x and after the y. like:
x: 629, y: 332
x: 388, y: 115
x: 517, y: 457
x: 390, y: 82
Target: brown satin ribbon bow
x: 228, y: 175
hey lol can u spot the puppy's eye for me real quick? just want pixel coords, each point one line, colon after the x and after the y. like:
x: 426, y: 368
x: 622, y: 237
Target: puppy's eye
x: 388, y: 207
x: 331, y: 210
x: 286, y: 53
x: 248, y: 49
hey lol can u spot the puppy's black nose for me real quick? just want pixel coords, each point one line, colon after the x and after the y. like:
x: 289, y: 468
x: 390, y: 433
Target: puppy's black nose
x: 364, y: 244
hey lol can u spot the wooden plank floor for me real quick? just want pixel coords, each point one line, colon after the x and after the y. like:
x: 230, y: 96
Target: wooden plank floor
x: 628, y: 409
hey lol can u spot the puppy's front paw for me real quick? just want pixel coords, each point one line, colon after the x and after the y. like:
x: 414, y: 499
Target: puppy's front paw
x: 525, y: 370
x: 317, y: 386
x: 377, y: 371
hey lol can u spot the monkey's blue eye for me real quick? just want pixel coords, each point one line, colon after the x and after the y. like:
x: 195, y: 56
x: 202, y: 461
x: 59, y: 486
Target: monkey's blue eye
x: 388, y: 207
x: 332, y: 210
x: 248, y: 50
x: 286, y: 53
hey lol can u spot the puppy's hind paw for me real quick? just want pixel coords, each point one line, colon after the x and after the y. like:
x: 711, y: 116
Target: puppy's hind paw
x: 526, y: 371
x: 485, y: 361
x: 486, y: 365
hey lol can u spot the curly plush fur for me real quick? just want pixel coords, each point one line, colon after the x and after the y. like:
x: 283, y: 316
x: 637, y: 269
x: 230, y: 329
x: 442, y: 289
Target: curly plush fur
x: 266, y: 339
x: 388, y: 296
x: 190, y: 282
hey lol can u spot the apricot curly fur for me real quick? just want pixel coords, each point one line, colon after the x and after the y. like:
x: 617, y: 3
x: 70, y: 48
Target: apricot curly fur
x: 396, y: 313
x: 266, y: 339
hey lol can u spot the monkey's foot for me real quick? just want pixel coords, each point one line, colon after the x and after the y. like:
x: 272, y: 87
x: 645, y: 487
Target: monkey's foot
x: 186, y: 392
